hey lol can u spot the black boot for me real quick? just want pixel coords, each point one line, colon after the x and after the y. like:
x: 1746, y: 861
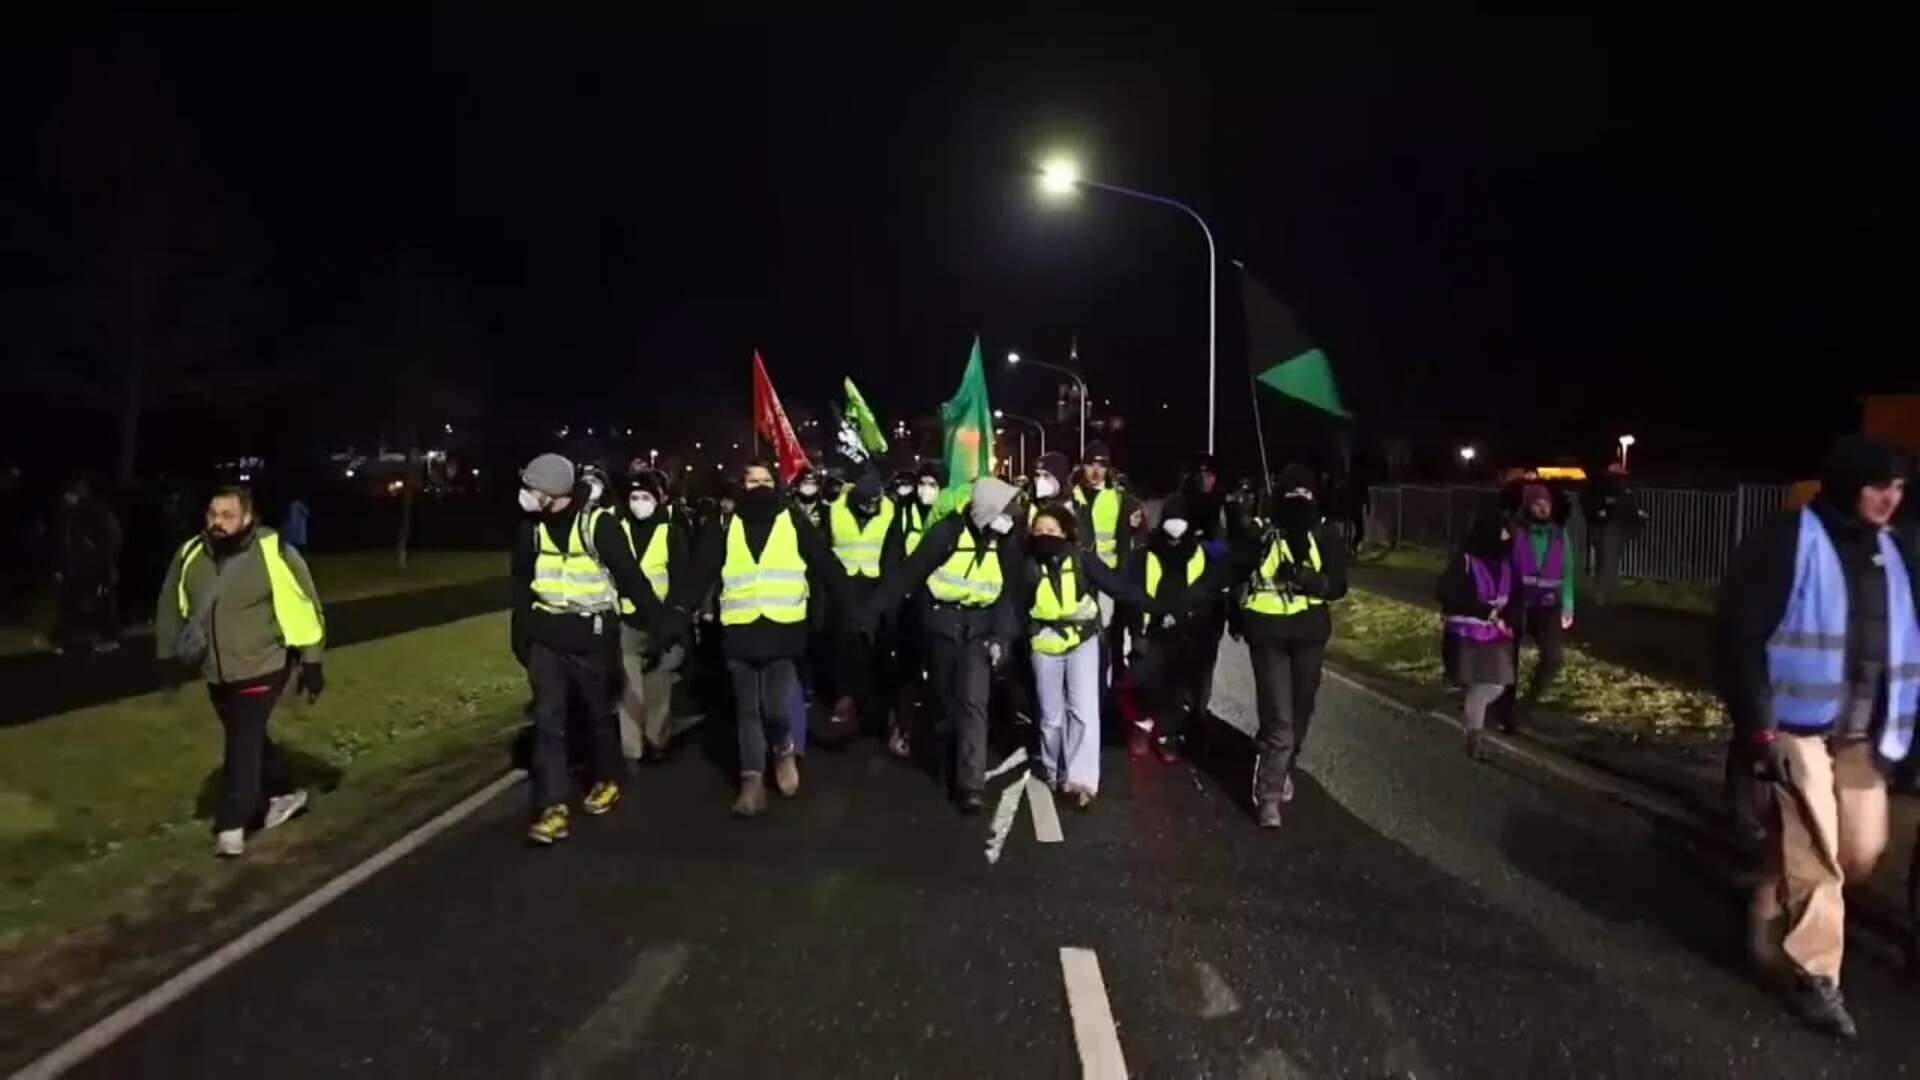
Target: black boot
x: 1818, y: 1001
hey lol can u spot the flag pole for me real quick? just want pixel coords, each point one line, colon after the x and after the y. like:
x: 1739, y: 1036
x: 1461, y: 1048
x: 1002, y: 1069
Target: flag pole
x: 1259, y: 429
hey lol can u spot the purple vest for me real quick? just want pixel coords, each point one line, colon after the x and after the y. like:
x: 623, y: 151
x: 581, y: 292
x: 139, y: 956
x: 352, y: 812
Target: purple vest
x: 1490, y: 593
x: 1540, y: 585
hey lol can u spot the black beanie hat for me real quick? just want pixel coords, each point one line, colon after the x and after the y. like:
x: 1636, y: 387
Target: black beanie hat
x: 1856, y: 462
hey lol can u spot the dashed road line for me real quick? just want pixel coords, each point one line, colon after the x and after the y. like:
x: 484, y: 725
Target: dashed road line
x: 1046, y: 817
x: 616, y: 1026
x: 1003, y: 814
x: 1094, y: 1033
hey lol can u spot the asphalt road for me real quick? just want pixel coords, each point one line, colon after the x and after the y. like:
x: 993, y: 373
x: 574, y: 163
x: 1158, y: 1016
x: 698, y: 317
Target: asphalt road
x: 1419, y: 915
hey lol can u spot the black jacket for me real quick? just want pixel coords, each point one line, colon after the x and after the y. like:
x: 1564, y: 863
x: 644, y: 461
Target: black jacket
x: 1753, y: 600
x: 574, y: 633
x: 1191, y: 603
x: 763, y: 640
x: 681, y: 595
x: 1000, y: 620
x: 1330, y: 584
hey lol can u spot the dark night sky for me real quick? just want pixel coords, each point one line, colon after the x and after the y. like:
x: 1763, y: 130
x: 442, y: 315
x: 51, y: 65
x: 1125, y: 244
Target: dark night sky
x: 1535, y: 233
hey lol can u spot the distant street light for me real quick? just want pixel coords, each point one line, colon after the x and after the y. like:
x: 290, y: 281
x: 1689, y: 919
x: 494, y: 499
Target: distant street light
x: 1002, y: 414
x: 1013, y: 358
x: 1626, y: 443
x: 1061, y: 176
x: 1468, y: 453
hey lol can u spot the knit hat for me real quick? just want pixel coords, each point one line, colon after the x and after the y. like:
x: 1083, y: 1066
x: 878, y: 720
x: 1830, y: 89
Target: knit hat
x: 1533, y: 493
x: 651, y: 481
x: 1174, y: 507
x: 1856, y: 462
x: 1054, y: 464
x: 868, y: 488
x: 549, y: 474
x: 931, y: 470
x: 990, y: 498
x: 1292, y: 478
x: 1097, y: 451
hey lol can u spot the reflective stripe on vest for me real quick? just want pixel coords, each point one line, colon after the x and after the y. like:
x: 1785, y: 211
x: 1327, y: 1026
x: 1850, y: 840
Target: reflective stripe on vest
x: 653, y: 564
x: 859, y: 546
x: 299, y: 618
x: 1265, y: 596
x: 1807, y: 654
x: 1106, y: 523
x: 1489, y: 592
x: 1196, y: 566
x: 1541, y: 584
x: 1062, y: 620
x: 773, y: 587
x: 571, y: 582
x: 965, y: 579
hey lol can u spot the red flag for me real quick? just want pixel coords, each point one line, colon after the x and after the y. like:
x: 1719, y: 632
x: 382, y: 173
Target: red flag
x: 770, y: 420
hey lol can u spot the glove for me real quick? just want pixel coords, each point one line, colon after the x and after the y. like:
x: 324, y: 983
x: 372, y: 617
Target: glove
x: 1311, y: 582
x: 996, y: 654
x: 312, y: 682
x: 1767, y: 755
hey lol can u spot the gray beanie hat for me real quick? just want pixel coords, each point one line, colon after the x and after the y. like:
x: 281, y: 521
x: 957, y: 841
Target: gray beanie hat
x: 549, y: 474
x: 990, y: 498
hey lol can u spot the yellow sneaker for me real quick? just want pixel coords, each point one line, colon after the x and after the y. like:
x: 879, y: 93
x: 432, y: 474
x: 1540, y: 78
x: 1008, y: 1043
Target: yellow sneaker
x: 601, y: 798
x: 551, y: 826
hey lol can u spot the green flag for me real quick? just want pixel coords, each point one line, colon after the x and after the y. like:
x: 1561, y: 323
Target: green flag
x: 968, y: 422
x: 1281, y: 354
x: 865, y: 424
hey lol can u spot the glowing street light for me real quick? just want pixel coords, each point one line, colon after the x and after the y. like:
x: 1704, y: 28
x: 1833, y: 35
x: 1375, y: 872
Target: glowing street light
x: 1014, y: 358
x: 1059, y: 177
x: 1626, y: 443
x: 1468, y: 453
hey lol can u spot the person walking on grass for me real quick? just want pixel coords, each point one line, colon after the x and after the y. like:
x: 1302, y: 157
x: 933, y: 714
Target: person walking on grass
x: 240, y: 605
x: 1544, y: 571
x: 1475, y: 594
x: 1817, y: 654
x: 570, y: 568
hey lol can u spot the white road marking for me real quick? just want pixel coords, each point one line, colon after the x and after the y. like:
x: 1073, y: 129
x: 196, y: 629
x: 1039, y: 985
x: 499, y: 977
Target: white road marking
x: 1014, y: 761
x: 1046, y: 818
x: 131, y: 1015
x: 1003, y: 814
x: 1093, y: 1028
x: 1272, y: 1064
x: 617, y: 1024
x: 1216, y: 997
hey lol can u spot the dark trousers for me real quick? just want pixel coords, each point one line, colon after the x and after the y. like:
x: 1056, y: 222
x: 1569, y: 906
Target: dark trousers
x: 1172, y: 673
x: 1543, y: 626
x: 1286, y: 680
x: 1209, y: 658
x: 863, y: 667
x: 763, y: 696
x: 243, y: 708
x: 962, y: 674
x: 557, y: 677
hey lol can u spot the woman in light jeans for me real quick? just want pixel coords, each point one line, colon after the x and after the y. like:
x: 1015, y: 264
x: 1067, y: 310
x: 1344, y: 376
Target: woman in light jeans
x: 1058, y: 592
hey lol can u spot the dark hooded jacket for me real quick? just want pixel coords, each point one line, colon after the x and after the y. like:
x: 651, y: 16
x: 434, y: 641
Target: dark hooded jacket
x: 762, y: 640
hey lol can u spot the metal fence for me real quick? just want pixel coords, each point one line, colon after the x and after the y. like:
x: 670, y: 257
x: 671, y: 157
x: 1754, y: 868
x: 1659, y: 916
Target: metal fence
x: 1689, y: 536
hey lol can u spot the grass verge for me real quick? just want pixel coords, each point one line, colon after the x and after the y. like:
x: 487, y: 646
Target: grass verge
x: 107, y: 880
x: 1694, y: 599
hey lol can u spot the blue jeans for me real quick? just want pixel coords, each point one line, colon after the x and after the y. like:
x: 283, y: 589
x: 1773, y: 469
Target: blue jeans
x: 1069, y: 691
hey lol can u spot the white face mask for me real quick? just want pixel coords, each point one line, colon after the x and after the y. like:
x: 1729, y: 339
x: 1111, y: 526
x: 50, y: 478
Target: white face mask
x: 1176, y: 527
x: 808, y: 491
x: 929, y: 494
x: 1002, y: 524
x: 903, y: 491
x: 642, y: 506
x: 1045, y: 486
x: 532, y: 501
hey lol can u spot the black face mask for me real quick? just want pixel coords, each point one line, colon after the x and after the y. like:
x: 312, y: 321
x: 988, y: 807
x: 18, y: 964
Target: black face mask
x: 1296, y: 515
x: 758, y: 501
x: 226, y: 546
x: 1048, y: 547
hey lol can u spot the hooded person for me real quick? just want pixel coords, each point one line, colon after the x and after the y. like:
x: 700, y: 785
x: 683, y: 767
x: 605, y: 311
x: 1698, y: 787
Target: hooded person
x: 807, y: 495
x: 651, y: 655
x: 1476, y: 592
x: 1052, y: 484
x: 571, y: 567
x: 1294, y: 565
x: 1206, y: 500
x: 1176, y: 640
x: 767, y: 558
x: 1544, y: 569
x: 914, y: 513
x: 967, y: 622
x: 862, y: 533
x: 1099, y: 502
x: 1817, y: 655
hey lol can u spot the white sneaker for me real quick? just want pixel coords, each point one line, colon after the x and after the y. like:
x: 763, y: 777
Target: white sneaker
x: 282, y: 807
x: 230, y: 844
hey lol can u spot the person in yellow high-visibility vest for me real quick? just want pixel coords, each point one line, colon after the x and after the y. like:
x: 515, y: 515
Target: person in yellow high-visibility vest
x: 967, y: 621
x: 860, y: 527
x: 1107, y: 518
x: 1294, y: 565
x: 913, y: 515
x: 570, y: 568
x: 650, y: 656
x: 1173, y: 657
x: 765, y: 556
x: 241, y: 606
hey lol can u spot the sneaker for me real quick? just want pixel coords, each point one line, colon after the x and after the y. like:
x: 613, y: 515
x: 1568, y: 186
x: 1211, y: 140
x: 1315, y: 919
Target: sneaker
x: 786, y: 773
x: 1286, y: 789
x: 752, y: 800
x: 1269, y: 815
x: 897, y: 744
x: 1476, y: 747
x: 550, y: 826
x: 601, y: 798
x: 1819, y: 1003
x: 1082, y: 799
x: 230, y: 843
x: 1167, y: 749
x: 1139, y: 735
x: 282, y: 807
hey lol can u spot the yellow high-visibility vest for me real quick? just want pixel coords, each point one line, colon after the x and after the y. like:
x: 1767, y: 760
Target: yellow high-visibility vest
x: 1265, y: 597
x: 570, y: 580
x: 1196, y: 565
x: 774, y: 587
x: 971, y: 575
x: 913, y: 524
x: 1106, y: 523
x: 1062, y: 619
x: 859, y: 547
x: 653, y: 564
x: 295, y: 612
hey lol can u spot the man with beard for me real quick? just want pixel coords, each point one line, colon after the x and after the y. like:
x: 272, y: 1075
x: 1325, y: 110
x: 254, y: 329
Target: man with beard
x: 1174, y: 652
x: 241, y: 606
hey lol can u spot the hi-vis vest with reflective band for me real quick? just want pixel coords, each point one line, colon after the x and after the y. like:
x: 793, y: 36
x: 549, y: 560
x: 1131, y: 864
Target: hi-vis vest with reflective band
x: 1106, y: 523
x: 571, y: 581
x: 653, y: 564
x: 1196, y: 565
x: 859, y: 548
x: 971, y: 575
x: 1264, y: 596
x: 293, y: 609
x: 1061, y: 620
x: 773, y: 588
x: 913, y: 524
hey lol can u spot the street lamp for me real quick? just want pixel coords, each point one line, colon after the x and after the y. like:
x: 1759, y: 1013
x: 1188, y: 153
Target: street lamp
x: 1468, y: 453
x: 1060, y: 176
x: 1014, y: 359
x: 1626, y: 443
x: 1002, y: 414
